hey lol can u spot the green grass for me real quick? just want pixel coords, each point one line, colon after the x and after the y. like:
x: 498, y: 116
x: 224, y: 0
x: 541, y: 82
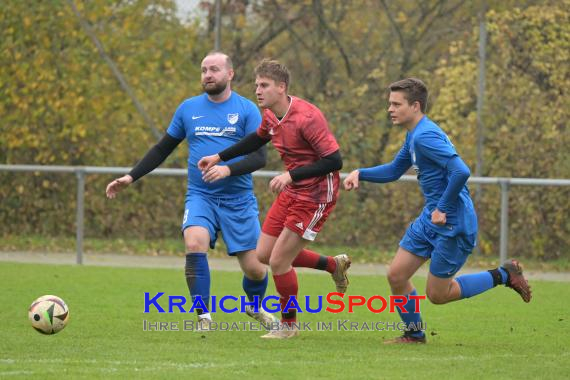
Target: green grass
x: 172, y: 247
x: 493, y: 335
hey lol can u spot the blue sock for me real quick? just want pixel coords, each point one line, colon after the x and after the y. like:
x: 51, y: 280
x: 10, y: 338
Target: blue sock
x: 198, y: 278
x: 255, y: 288
x: 504, y: 275
x: 476, y: 283
x: 412, y: 319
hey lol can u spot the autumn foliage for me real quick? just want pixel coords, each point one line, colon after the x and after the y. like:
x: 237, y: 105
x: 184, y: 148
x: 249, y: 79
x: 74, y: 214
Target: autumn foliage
x: 61, y: 105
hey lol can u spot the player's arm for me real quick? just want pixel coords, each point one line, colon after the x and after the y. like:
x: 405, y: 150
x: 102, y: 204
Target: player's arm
x: 458, y: 174
x: 155, y: 156
x: 250, y: 143
x: 321, y: 167
x: 439, y: 150
x: 250, y: 163
x: 388, y: 172
x: 381, y: 173
x: 151, y: 160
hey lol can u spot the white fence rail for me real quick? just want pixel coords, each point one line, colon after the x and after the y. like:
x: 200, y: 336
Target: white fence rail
x: 82, y: 171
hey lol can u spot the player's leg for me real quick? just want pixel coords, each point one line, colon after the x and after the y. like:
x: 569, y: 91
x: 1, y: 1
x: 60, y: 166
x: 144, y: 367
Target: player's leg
x: 400, y: 272
x: 197, y: 271
x: 255, y: 275
x: 414, y: 250
x: 255, y: 285
x: 239, y: 223
x: 509, y: 274
x: 277, y: 240
x: 286, y: 247
x: 404, y: 265
x: 199, y: 233
x: 442, y: 290
x: 306, y: 219
x: 265, y: 245
x: 337, y: 266
x: 310, y: 259
x: 450, y: 255
x: 285, y: 250
x: 272, y: 227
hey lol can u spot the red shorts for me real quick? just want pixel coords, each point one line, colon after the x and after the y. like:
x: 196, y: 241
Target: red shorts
x: 302, y: 217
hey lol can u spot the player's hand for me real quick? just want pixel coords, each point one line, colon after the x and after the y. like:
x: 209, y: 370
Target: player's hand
x: 278, y: 183
x: 215, y: 173
x: 117, y: 185
x: 438, y: 217
x: 351, y: 181
x: 207, y: 162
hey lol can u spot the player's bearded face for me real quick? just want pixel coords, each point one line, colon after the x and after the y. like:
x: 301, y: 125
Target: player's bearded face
x: 216, y: 76
x: 212, y: 87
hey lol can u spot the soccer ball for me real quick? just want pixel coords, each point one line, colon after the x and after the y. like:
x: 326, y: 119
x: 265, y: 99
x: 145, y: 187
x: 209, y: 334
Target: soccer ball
x: 48, y: 314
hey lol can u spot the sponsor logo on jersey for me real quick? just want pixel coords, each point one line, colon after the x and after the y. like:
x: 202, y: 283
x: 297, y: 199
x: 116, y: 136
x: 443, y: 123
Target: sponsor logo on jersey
x: 203, y: 130
x: 233, y: 118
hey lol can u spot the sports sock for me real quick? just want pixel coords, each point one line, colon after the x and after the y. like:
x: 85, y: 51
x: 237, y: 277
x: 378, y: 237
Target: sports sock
x: 255, y: 288
x: 287, y: 286
x: 309, y: 259
x: 477, y: 283
x: 412, y: 319
x: 198, y: 278
x: 504, y: 275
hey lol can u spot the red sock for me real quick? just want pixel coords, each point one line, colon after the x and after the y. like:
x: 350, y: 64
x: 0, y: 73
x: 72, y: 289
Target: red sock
x: 310, y: 259
x: 287, y: 286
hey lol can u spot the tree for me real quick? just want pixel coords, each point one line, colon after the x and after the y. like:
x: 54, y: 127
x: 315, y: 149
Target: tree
x: 525, y: 117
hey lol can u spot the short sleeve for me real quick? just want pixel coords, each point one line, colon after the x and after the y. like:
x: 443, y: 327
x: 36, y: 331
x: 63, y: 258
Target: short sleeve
x: 318, y: 134
x: 252, y: 119
x: 176, y: 128
x: 263, y: 129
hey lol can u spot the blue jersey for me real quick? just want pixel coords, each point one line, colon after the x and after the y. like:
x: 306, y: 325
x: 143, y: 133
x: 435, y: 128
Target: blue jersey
x: 210, y: 128
x: 428, y: 150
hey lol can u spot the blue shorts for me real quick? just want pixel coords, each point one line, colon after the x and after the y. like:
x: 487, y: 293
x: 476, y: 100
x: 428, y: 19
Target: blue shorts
x: 447, y: 253
x: 236, y: 217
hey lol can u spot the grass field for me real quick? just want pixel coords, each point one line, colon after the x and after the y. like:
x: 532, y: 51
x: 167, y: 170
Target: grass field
x: 493, y: 335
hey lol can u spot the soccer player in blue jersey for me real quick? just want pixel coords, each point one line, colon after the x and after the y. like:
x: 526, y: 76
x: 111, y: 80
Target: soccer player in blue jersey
x: 212, y: 122
x: 446, y: 230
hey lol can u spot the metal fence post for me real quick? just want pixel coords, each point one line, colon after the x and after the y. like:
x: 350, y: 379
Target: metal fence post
x: 504, y: 220
x: 80, y: 173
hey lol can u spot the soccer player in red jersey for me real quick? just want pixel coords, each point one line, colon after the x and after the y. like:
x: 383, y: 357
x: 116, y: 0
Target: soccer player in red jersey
x: 307, y: 190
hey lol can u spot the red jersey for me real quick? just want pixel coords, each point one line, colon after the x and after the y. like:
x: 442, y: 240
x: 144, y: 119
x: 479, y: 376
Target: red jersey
x: 301, y: 138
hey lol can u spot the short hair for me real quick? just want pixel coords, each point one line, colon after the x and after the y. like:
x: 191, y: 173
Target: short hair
x: 229, y: 63
x: 414, y: 91
x: 272, y: 69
